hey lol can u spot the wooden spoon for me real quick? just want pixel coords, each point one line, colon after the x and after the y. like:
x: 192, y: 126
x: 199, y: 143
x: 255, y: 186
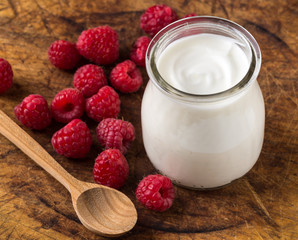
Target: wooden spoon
x: 101, y: 209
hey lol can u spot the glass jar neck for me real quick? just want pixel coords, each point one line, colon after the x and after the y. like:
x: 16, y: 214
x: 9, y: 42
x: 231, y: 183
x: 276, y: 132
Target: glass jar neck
x: 198, y: 25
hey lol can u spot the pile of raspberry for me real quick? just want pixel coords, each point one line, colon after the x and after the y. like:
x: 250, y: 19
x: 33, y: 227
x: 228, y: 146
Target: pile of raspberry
x: 92, y: 95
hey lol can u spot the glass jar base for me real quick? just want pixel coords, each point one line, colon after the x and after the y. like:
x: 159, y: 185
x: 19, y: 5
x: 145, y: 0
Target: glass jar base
x: 194, y: 188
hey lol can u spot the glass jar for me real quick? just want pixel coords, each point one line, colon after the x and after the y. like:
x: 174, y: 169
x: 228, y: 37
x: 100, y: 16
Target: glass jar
x: 203, y: 141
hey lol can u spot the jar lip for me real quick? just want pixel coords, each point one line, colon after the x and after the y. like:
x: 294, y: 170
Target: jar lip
x: 164, y: 86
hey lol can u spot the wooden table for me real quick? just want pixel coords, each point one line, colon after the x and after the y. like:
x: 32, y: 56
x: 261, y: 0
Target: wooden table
x: 261, y: 205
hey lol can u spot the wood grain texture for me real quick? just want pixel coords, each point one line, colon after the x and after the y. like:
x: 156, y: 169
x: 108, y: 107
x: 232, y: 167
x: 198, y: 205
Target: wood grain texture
x: 261, y: 205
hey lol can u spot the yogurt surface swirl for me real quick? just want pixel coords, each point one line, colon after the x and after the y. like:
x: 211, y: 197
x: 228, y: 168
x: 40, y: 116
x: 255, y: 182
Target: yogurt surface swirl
x: 203, y: 63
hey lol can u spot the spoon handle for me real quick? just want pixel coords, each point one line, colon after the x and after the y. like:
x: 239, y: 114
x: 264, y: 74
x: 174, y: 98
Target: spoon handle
x: 32, y: 149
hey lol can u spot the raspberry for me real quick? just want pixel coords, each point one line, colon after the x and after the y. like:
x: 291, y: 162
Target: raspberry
x: 89, y: 79
x: 126, y: 77
x: 111, y: 168
x: 157, y: 17
x: 138, y: 51
x: 104, y: 104
x: 63, y: 54
x: 6, y: 75
x: 156, y: 192
x: 67, y: 105
x: 34, y: 112
x: 190, y: 15
x: 73, y: 140
x: 115, y: 133
x: 100, y: 45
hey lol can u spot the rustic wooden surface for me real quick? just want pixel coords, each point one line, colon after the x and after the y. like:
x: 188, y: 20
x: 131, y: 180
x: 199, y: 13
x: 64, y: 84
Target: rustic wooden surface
x: 261, y: 205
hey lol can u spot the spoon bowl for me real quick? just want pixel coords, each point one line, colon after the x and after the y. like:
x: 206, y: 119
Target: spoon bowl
x: 102, y: 210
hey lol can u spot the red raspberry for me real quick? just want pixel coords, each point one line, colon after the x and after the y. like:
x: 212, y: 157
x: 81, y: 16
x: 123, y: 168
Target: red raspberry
x: 126, y: 77
x: 104, y: 104
x: 190, y: 15
x: 6, y: 75
x: 157, y: 17
x: 115, y: 133
x: 138, y: 51
x: 89, y: 79
x: 73, y: 140
x: 100, y: 45
x: 67, y: 105
x: 63, y: 54
x: 156, y: 192
x: 111, y: 168
x: 34, y: 112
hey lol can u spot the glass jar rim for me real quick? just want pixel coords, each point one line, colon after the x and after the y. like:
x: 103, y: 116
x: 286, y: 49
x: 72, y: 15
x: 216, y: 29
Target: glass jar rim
x: 164, y: 86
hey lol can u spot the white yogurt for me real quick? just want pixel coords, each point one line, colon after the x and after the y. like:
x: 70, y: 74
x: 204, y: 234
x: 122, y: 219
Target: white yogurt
x: 203, y: 145
x: 203, y: 64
